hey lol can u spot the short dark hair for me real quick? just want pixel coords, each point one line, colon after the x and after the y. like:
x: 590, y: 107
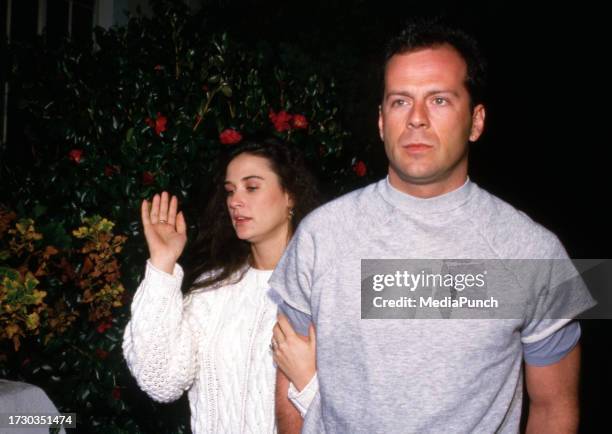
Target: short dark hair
x: 430, y: 33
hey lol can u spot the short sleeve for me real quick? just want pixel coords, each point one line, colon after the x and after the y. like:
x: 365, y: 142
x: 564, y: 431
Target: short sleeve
x: 560, y: 295
x: 293, y: 279
x: 299, y: 320
x: 552, y: 348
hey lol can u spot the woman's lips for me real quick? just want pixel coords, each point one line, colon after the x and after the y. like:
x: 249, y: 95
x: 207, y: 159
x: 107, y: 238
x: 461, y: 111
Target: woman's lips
x: 241, y: 220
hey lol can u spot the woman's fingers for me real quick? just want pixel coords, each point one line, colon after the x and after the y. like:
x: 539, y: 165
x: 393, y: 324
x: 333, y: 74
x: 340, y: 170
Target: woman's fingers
x: 144, y: 213
x: 277, y: 333
x: 172, y: 211
x: 311, y: 334
x: 155, y: 209
x: 285, y: 325
x: 181, y: 226
x: 163, y: 208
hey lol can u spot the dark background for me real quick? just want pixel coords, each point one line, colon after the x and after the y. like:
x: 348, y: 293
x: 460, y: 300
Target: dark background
x: 546, y: 148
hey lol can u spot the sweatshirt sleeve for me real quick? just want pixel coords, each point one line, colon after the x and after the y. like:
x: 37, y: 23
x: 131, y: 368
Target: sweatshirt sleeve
x: 159, y: 343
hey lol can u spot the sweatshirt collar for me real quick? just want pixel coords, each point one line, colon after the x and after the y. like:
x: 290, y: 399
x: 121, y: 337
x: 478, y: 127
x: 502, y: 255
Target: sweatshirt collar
x: 442, y: 203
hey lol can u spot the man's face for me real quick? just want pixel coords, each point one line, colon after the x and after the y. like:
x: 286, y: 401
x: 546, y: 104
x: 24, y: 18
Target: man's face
x: 425, y: 120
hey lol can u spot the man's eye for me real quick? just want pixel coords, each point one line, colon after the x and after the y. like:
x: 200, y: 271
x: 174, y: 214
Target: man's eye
x: 398, y: 102
x: 439, y: 100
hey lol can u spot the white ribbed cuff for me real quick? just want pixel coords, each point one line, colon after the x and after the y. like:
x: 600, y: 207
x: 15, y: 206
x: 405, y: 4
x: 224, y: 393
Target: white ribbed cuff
x: 302, y: 399
x: 157, y: 275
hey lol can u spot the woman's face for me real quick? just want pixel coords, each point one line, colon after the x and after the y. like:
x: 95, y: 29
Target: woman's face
x: 258, y: 206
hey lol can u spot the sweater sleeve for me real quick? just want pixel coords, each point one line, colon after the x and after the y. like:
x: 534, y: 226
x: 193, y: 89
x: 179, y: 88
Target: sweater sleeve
x: 302, y: 399
x: 159, y: 343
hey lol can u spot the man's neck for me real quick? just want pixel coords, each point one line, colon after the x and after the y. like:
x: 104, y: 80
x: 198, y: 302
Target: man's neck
x: 427, y: 190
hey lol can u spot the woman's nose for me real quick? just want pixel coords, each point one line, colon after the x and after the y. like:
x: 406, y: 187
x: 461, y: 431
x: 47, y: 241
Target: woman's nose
x: 236, y: 201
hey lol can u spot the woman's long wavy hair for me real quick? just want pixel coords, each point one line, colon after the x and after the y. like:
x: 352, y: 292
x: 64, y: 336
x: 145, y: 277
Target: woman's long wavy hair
x: 217, y: 255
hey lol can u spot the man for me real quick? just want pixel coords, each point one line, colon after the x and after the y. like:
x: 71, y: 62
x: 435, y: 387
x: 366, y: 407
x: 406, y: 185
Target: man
x: 427, y: 375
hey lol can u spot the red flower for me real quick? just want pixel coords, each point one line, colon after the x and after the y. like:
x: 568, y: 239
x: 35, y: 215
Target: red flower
x: 103, y: 326
x: 158, y: 67
x: 76, y: 155
x: 101, y: 354
x: 109, y: 170
x: 300, y: 122
x: 280, y: 120
x: 147, y: 178
x: 159, y: 124
x: 360, y: 168
x: 230, y: 137
x: 116, y: 393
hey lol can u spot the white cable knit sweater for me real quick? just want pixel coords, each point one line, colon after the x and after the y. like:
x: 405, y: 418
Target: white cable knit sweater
x: 213, y: 343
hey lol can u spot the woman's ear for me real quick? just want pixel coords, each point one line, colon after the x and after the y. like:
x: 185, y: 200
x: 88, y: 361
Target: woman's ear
x: 289, y: 199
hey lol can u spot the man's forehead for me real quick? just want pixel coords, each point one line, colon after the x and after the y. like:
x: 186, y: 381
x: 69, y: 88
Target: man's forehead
x: 426, y: 67
x: 441, y: 58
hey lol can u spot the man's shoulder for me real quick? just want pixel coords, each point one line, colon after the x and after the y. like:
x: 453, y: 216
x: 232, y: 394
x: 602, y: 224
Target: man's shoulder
x: 511, y: 231
x: 344, y: 209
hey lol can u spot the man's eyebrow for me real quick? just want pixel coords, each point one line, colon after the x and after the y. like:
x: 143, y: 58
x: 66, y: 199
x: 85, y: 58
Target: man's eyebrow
x: 246, y: 178
x: 436, y: 92
x: 429, y: 93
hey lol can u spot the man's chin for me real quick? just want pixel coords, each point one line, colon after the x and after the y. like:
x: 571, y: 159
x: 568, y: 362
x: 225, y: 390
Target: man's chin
x: 417, y: 176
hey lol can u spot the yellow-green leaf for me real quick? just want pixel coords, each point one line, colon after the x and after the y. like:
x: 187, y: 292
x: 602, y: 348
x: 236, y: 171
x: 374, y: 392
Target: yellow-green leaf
x: 30, y: 282
x: 11, y: 330
x: 32, y: 321
x: 38, y: 296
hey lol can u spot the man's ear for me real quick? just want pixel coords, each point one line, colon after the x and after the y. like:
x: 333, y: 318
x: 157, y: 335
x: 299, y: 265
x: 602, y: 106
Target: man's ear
x: 381, y: 124
x: 478, y: 122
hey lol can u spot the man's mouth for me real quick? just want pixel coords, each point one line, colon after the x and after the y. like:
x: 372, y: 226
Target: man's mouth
x: 417, y: 147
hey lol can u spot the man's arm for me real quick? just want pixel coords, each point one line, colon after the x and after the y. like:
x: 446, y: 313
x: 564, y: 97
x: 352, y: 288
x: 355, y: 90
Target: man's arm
x: 288, y: 417
x: 553, y: 395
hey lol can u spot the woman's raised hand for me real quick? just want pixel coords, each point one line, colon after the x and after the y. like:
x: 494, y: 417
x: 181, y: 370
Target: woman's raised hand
x: 165, y: 231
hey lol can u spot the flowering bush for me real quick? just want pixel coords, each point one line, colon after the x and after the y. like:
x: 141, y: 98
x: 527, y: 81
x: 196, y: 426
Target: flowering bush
x: 51, y: 297
x: 150, y: 109
x: 27, y: 264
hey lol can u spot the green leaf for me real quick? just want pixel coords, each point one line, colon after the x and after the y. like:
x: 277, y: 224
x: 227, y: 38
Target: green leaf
x: 227, y: 91
x: 39, y: 210
x: 55, y: 235
x: 30, y: 282
x: 10, y: 273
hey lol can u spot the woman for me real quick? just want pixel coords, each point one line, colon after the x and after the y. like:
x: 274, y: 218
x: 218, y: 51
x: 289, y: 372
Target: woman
x: 214, y: 342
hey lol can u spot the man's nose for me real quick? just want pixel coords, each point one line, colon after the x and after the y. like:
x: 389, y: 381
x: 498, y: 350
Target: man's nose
x: 418, y: 116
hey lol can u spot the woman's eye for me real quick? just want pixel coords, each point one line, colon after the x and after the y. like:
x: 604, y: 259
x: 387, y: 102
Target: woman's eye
x: 229, y: 192
x: 252, y: 188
